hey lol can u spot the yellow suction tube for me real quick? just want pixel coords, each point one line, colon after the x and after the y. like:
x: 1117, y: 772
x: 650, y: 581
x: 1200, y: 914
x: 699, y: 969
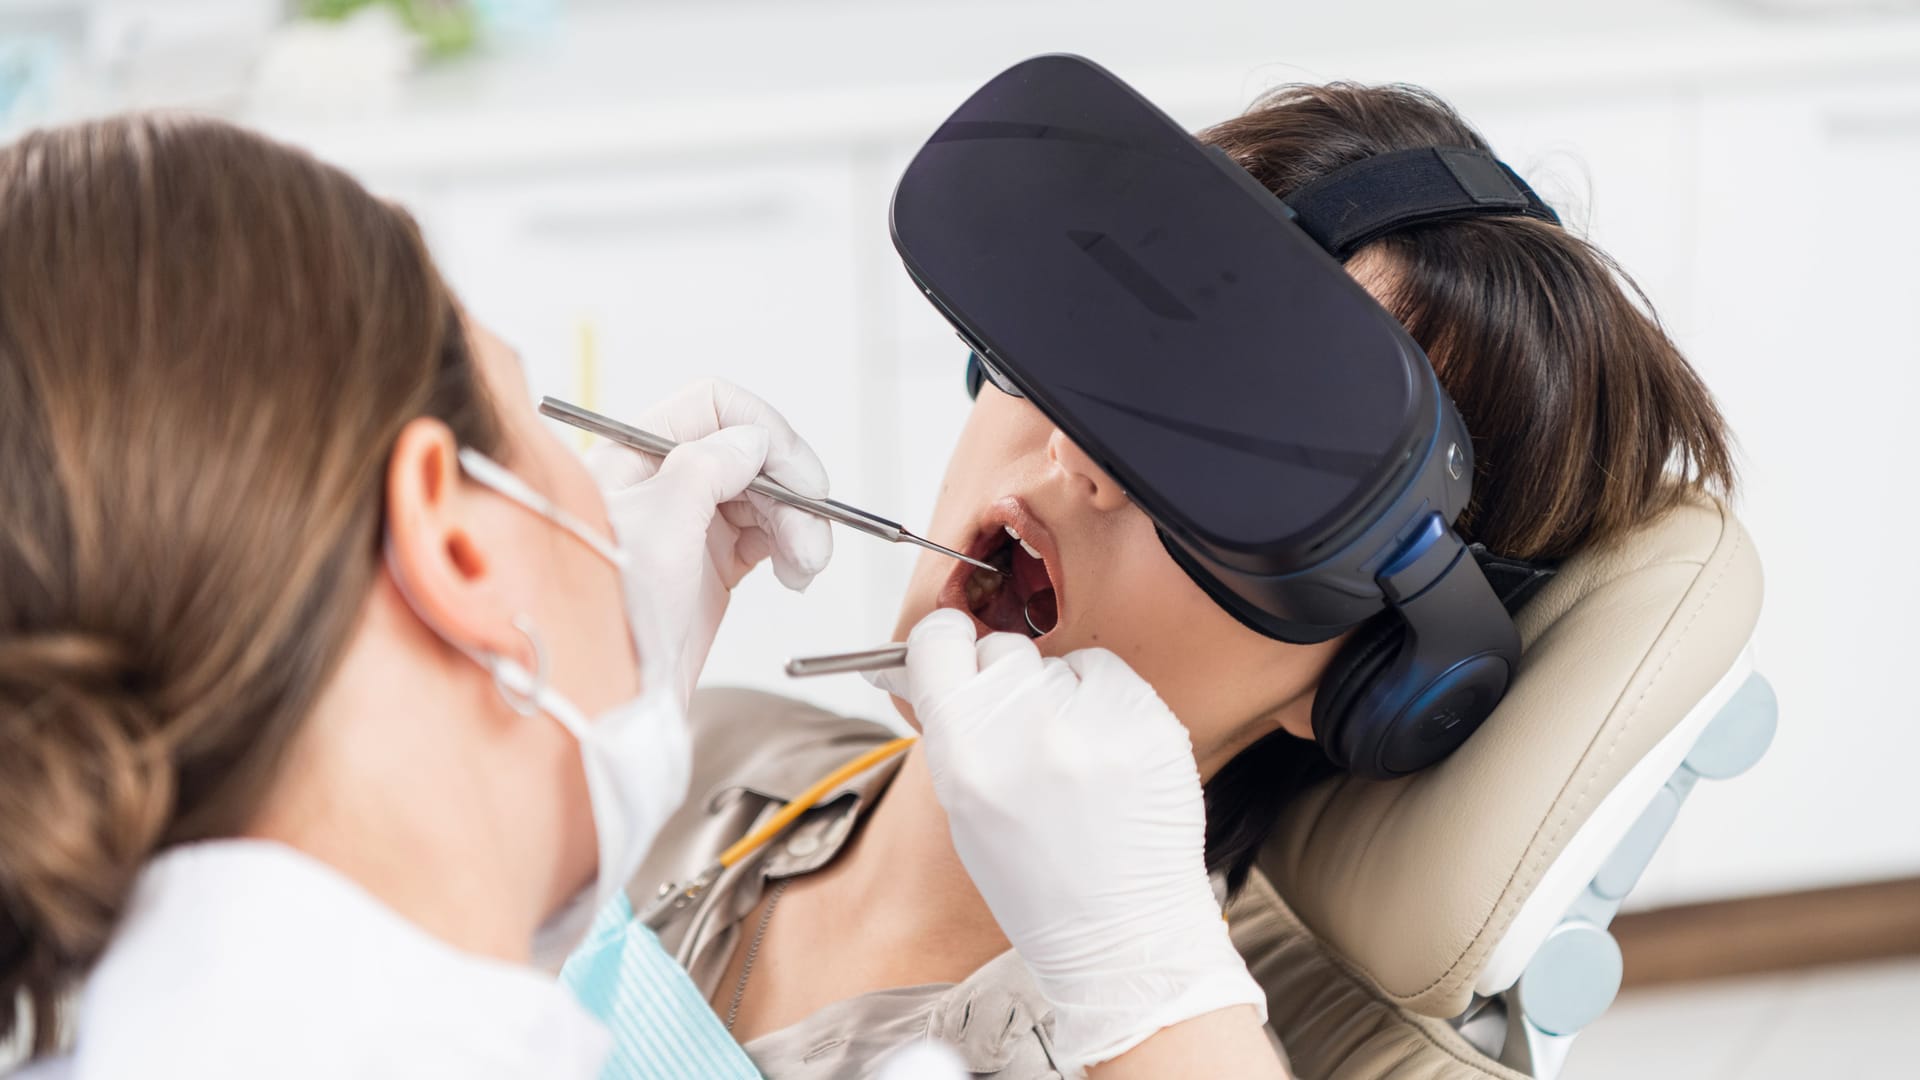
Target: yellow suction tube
x: 807, y: 799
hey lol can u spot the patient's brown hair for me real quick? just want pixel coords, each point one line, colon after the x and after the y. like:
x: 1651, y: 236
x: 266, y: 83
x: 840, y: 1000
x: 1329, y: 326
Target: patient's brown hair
x: 1586, y: 420
x: 208, y: 344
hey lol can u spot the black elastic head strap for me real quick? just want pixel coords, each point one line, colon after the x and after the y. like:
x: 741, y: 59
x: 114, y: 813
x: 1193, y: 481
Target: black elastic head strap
x: 1369, y: 198
x: 1514, y: 581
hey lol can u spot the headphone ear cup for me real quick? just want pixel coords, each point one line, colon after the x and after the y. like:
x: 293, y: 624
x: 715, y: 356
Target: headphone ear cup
x: 1365, y: 657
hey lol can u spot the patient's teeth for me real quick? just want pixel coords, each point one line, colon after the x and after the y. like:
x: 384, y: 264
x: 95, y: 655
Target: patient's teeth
x: 1028, y: 548
x: 1010, y: 531
x: 982, y: 585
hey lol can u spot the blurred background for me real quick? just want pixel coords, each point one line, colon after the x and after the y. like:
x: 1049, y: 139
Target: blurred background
x: 638, y: 193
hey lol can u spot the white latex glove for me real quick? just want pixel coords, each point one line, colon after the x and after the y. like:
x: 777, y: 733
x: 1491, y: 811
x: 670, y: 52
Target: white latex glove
x: 1075, y: 804
x: 689, y: 528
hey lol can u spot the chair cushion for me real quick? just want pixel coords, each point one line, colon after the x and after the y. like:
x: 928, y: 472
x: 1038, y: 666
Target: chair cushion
x: 1329, y: 1022
x: 1411, y: 882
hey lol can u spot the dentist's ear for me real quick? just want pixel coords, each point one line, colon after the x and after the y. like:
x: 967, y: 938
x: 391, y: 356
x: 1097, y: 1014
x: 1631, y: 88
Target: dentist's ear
x: 433, y: 522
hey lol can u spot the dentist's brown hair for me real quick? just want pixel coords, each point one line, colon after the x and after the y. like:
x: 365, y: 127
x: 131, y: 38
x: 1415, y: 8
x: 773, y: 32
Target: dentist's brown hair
x: 208, y: 344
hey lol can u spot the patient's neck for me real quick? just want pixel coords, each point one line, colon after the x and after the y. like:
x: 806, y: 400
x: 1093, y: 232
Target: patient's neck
x: 903, y: 867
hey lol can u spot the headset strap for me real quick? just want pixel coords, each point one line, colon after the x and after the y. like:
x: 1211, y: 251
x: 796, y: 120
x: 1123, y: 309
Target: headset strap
x: 1374, y: 196
x: 1514, y: 581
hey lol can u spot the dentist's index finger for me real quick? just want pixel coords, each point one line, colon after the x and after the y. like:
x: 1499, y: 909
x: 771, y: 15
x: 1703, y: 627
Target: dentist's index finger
x: 719, y: 466
x: 713, y: 404
x: 614, y: 467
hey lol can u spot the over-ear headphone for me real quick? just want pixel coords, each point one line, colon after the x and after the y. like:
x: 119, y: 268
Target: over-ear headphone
x: 1383, y: 707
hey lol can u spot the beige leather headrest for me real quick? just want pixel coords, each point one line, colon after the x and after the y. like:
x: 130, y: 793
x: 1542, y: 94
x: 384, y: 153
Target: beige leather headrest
x: 1411, y: 882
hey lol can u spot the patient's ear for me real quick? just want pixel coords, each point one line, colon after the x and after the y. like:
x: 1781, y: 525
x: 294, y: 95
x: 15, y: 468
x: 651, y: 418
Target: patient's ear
x: 434, y: 526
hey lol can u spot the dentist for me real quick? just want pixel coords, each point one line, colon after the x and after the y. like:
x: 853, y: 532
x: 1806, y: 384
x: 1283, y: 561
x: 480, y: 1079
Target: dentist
x: 334, y: 695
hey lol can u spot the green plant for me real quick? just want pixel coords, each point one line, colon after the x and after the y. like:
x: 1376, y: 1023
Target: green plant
x: 445, y: 27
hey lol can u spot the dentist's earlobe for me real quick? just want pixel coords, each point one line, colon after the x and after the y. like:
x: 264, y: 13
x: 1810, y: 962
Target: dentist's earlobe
x: 521, y: 684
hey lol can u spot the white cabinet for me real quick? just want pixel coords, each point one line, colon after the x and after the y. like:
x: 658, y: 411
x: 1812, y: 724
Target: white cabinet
x: 1773, y: 229
x: 1805, y: 295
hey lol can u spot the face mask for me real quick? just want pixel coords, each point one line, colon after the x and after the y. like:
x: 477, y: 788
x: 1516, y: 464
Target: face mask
x: 637, y: 755
x: 662, y: 1026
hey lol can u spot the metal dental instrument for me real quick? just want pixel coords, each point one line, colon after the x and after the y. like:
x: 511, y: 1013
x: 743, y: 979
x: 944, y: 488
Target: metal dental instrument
x: 880, y: 659
x: 648, y: 443
x: 1026, y: 612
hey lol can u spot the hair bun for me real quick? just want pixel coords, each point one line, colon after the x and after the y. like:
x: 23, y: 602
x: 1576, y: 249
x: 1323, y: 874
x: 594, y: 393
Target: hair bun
x: 84, y: 796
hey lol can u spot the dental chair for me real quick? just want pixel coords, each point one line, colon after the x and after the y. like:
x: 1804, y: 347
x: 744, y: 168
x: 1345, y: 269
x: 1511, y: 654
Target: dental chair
x: 1453, y: 924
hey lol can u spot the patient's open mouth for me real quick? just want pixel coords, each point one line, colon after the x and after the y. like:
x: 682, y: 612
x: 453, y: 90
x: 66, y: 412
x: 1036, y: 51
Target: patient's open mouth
x: 1026, y: 599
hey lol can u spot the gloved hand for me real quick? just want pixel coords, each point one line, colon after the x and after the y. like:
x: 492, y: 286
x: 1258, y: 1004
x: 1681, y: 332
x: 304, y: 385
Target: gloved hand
x: 689, y: 528
x: 1075, y: 804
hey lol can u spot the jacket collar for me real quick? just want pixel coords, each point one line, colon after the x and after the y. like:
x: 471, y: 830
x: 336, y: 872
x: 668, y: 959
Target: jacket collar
x: 817, y: 836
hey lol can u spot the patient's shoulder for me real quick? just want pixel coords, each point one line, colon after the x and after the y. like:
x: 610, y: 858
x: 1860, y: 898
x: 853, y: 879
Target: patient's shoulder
x: 756, y: 739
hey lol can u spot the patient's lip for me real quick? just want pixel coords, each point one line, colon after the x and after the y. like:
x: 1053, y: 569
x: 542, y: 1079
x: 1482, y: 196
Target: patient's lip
x: 1010, y: 511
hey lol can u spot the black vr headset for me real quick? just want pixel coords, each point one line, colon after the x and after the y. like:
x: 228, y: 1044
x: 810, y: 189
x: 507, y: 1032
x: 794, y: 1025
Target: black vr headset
x: 1199, y: 339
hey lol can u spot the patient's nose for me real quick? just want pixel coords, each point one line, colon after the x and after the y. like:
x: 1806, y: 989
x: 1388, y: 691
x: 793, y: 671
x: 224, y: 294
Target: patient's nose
x: 1093, y: 481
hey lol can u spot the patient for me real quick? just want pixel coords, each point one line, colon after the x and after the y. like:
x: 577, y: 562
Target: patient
x: 859, y: 930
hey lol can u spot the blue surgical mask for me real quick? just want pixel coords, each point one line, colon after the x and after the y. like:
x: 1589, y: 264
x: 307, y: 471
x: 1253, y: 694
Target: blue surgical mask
x: 662, y: 1026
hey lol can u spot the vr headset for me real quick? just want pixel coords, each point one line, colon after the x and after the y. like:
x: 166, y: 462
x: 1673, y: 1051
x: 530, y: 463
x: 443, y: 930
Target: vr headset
x: 1199, y: 339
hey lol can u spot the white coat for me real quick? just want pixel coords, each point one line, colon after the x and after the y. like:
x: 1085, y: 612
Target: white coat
x: 247, y: 959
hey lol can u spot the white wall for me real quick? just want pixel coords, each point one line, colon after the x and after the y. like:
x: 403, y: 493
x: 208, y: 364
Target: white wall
x: 705, y: 187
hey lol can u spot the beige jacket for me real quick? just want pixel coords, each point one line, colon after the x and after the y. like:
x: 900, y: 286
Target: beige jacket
x: 754, y: 752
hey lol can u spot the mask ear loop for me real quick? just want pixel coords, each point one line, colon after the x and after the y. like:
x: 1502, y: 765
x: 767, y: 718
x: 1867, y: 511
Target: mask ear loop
x: 492, y: 474
x: 525, y: 703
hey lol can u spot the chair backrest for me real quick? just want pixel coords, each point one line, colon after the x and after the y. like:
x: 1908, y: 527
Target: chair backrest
x: 1445, y: 883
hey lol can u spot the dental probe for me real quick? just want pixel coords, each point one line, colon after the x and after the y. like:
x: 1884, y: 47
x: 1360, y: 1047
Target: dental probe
x: 648, y: 443
x: 880, y: 659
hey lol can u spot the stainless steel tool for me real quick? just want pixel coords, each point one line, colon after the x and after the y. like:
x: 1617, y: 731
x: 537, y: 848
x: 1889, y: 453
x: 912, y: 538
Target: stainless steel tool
x: 648, y: 443
x: 880, y: 659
